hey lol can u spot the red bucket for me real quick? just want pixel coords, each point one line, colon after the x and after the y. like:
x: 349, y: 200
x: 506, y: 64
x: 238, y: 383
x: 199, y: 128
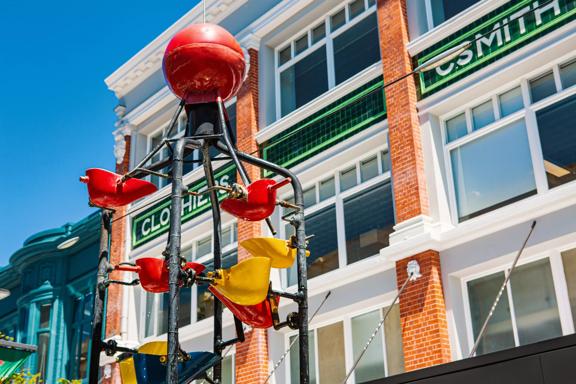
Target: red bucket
x: 259, y: 203
x: 257, y: 316
x: 106, y: 190
x: 153, y: 273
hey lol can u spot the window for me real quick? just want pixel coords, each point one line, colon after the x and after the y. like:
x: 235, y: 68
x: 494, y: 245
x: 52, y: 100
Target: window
x: 326, y: 55
x: 568, y: 74
x: 331, y: 345
x: 81, y: 336
x: 228, y: 374
x: 569, y: 265
x: 489, y: 172
x: 190, y: 162
x: 491, y: 147
x: 43, y: 338
x: 527, y: 312
x: 558, y: 140
x: 196, y: 303
x: 443, y: 10
x: 363, y: 225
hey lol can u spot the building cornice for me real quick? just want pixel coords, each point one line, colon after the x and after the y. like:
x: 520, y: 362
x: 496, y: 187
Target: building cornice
x: 148, y: 59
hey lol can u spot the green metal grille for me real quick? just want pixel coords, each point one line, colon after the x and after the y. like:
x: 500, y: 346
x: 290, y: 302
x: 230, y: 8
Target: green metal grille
x: 331, y: 125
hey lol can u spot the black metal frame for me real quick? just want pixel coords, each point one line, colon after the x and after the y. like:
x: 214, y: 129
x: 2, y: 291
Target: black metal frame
x: 207, y: 127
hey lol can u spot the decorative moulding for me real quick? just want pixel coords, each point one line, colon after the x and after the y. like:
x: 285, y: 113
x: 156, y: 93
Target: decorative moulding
x: 120, y: 140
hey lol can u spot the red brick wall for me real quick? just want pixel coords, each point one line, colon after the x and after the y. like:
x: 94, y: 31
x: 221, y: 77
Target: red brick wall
x: 410, y: 194
x: 422, y: 307
x: 252, y: 355
x: 117, y: 251
x: 423, y: 314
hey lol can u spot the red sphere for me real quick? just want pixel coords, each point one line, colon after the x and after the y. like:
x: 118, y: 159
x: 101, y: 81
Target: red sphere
x: 203, y: 62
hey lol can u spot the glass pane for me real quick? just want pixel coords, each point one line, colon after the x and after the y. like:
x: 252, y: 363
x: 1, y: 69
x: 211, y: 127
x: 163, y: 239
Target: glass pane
x: 511, y: 101
x: 490, y: 172
x: 456, y: 127
x: 301, y: 44
x: 149, y: 316
x: 568, y: 74
x: 85, y: 340
x: 227, y: 370
x: 542, y: 87
x: 393, y: 336
x: 323, y: 247
x: 138, y: 304
x: 443, y: 10
x: 163, y: 314
x: 371, y: 366
x: 42, y: 354
x: 284, y: 55
x: 204, y: 247
x: 371, y: 2
x: 348, y: 179
x: 185, y: 309
x: 385, y: 161
x: 369, y: 220
x: 337, y: 20
x: 558, y: 140
x: 327, y: 189
x: 483, y: 115
x: 363, y: 37
x: 45, y: 310
x: 231, y: 110
x: 535, y: 306
x: 569, y: 261
x: 226, y: 238
x: 331, y: 364
x: 369, y: 169
x: 310, y: 197
x: 481, y: 294
x: 186, y: 253
x: 355, y: 8
x: 295, y: 362
x: 304, y: 81
x: 318, y: 33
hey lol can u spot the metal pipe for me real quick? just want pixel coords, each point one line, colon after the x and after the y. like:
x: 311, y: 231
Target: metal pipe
x: 217, y: 229
x: 497, y: 299
x: 99, y: 296
x: 298, y: 224
x: 174, y: 260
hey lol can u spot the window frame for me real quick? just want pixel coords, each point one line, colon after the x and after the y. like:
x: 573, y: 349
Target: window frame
x: 344, y: 315
x: 528, y: 114
x: 554, y: 257
x: 337, y: 200
x: 326, y: 41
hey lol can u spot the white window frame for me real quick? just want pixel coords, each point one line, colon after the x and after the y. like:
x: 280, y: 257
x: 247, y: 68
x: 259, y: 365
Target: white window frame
x: 338, y: 201
x: 326, y: 41
x: 193, y: 244
x: 344, y: 315
x: 528, y: 114
x: 560, y: 289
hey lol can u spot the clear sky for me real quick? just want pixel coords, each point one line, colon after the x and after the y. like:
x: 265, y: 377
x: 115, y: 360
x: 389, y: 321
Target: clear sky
x: 56, y: 116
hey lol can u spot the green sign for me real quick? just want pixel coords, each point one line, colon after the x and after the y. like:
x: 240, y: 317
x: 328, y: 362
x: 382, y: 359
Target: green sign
x: 155, y: 221
x: 495, y: 35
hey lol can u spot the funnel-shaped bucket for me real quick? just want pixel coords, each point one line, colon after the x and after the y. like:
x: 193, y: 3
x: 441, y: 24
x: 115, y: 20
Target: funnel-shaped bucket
x: 153, y: 273
x: 246, y: 283
x: 107, y: 191
x: 259, y: 202
x: 144, y: 368
x: 278, y: 250
x: 257, y: 316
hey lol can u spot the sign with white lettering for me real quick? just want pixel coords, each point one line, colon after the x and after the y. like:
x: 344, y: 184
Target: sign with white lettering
x: 155, y: 221
x: 493, y: 36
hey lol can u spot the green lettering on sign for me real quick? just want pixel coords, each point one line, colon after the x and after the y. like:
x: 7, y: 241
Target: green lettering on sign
x: 155, y: 221
x: 495, y: 35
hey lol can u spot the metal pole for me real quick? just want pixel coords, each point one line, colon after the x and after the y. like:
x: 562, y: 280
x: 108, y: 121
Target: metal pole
x: 99, y: 296
x: 174, y: 260
x: 217, y: 229
x: 497, y: 300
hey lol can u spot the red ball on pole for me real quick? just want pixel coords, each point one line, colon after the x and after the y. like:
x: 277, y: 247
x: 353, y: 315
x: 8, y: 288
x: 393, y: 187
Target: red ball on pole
x: 203, y: 62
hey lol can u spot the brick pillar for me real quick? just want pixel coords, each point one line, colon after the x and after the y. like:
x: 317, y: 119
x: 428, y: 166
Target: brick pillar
x: 422, y: 306
x: 252, y: 354
x: 423, y: 314
x: 117, y: 253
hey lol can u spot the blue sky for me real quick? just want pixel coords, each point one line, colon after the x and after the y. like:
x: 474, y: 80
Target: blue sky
x: 56, y: 115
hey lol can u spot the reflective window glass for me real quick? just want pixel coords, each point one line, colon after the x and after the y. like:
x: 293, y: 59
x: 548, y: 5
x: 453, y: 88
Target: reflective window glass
x: 204, y: 247
x: 337, y: 20
x: 483, y: 115
x: 301, y: 44
x: 511, y: 101
x: 355, y: 8
x: 393, y: 336
x: 385, y: 161
x: 568, y: 74
x: 295, y: 359
x: 45, y: 311
x: 371, y: 366
x: 327, y: 189
x: 318, y: 33
x: 331, y: 361
x: 542, y: 87
x: 369, y: 169
x: 489, y: 172
x: 348, y: 179
x: 284, y: 55
x: 569, y: 264
x: 456, y: 127
x: 310, y: 197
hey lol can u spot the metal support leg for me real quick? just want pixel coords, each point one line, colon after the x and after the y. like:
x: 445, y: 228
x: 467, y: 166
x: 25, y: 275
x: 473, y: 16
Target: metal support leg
x: 99, y: 296
x: 217, y: 229
x: 174, y: 260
